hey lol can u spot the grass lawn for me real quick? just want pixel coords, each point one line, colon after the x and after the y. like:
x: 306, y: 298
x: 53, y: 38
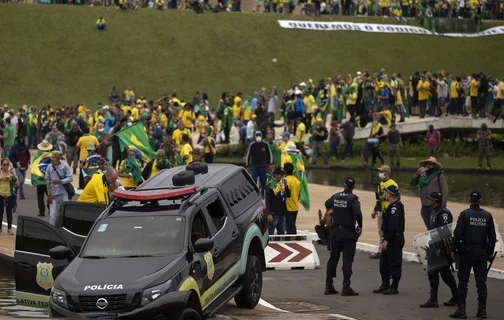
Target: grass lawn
x: 53, y: 55
x: 413, y: 163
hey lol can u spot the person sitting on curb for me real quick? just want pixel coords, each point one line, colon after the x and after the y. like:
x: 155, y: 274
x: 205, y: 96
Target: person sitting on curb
x: 323, y: 229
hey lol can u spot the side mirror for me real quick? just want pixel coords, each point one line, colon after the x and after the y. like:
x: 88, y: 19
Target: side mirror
x: 203, y: 245
x: 60, y: 253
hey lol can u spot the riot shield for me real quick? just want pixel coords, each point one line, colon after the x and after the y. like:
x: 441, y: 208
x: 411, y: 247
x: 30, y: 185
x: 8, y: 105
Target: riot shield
x: 434, y: 247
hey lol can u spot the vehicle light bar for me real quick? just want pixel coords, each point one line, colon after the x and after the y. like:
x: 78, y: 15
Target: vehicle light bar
x: 152, y: 194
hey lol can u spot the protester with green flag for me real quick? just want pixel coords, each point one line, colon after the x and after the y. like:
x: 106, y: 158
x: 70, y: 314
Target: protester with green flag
x: 41, y: 160
x: 130, y: 170
x: 295, y: 158
x: 134, y: 137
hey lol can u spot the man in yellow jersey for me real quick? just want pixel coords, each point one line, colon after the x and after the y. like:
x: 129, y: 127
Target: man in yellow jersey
x: 381, y: 201
x: 300, y: 136
x: 285, y: 142
x: 187, y: 116
x: 177, y: 134
x: 98, y: 188
x: 473, y: 93
x: 130, y: 171
x: 292, y: 202
x: 423, y: 88
x: 186, y: 149
x: 83, y: 143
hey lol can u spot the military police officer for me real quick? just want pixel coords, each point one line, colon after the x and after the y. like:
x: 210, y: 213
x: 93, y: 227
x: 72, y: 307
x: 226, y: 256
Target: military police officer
x: 392, y: 243
x: 439, y: 217
x: 346, y: 211
x: 474, y: 241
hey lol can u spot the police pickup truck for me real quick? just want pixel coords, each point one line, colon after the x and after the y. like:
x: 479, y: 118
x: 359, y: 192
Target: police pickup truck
x: 180, y: 246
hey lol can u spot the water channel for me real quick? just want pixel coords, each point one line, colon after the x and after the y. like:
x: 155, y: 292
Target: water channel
x: 459, y: 185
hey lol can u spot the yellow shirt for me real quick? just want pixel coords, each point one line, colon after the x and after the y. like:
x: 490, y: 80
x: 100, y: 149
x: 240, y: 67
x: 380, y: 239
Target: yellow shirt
x: 127, y: 181
x: 473, y: 91
x: 309, y: 101
x: 187, y: 117
x: 381, y: 191
x: 352, y: 98
x: 500, y: 90
x: 90, y: 122
x: 177, y: 135
x: 246, y: 114
x: 164, y: 121
x: 388, y: 115
x: 135, y: 113
x: 154, y: 168
x: 96, y: 191
x: 423, y: 95
x: 5, y: 188
x: 399, y: 100
x: 453, y: 89
x: 236, y: 111
x: 295, y: 187
x: 300, y: 132
x: 125, y: 109
x: 186, y: 150
x: 83, y: 143
x: 128, y: 93
x: 281, y: 148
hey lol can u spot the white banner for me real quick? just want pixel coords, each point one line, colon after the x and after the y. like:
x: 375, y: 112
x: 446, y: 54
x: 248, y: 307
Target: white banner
x: 381, y: 28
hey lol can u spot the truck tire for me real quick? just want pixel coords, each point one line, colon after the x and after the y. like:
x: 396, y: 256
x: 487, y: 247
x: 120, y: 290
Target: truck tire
x: 190, y: 314
x: 183, y: 178
x: 252, y: 284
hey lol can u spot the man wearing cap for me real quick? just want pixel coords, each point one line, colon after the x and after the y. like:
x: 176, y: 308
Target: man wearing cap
x: 346, y: 211
x: 276, y: 195
x: 440, y: 217
x: 381, y: 201
x: 258, y: 159
x: 474, y: 241
x: 392, y: 243
x: 430, y: 178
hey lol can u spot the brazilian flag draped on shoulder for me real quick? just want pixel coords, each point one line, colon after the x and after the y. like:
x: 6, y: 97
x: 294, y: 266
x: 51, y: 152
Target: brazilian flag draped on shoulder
x: 299, y: 170
x: 41, y: 160
x: 135, y: 138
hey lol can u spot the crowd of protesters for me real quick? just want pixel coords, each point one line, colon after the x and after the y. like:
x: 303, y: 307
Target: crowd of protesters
x: 470, y: 9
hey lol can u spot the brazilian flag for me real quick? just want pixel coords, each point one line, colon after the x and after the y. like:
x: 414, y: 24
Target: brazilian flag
x: 135, y: 138
x: 299, y: 171
x: 41, y: 160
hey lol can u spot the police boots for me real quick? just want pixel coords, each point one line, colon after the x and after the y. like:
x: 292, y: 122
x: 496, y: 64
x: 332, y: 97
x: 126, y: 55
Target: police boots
x: 347, y: 290
x: 482, y: 314
x: 384, y: 286
x: 430, y: 304
x: 330, y: 290
x: 460, y: 313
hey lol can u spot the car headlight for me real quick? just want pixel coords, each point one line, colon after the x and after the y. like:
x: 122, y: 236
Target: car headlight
x: 154, y: 293
x: 59, y: 297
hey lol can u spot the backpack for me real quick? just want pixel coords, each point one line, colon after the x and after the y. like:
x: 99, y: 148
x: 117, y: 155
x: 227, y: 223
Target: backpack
x: 23, y: 160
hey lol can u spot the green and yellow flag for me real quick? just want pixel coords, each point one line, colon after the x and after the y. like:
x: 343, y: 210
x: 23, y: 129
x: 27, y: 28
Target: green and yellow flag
x: 41, y: 160
x: 135, y: 138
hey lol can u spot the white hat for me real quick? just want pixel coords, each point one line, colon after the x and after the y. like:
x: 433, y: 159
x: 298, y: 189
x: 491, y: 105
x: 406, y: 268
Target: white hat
x: 297, y: 92
x: 106, y: 107
x: 291, y: 148
x: 302, y: 84
x: 359, y: 73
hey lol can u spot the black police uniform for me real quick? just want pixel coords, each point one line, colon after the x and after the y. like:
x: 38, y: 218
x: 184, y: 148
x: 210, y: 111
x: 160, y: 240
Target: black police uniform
x: 391, y: 259
x: 474, y: 240
x: 441, y: 217
x: 346, y: 211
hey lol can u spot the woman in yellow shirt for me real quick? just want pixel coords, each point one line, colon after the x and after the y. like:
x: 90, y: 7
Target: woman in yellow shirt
x: 8, y: 180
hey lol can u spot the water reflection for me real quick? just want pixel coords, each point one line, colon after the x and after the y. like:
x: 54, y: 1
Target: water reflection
x: 8, y: 307
x: 459, y: 185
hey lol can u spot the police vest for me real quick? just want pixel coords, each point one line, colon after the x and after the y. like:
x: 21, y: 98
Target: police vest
x: 342, y: 209
x: 440, y: 218
x: 478, y: 222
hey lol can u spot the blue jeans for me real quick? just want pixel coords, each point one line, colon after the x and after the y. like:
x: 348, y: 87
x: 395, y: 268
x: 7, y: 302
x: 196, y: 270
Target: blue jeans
x: 426, y: 215
x: 348, y: 149
x: 278, y: 223
x: 333, y: 149
x: 5, y: 151
x: 259, y: 172
x: 21, y: 174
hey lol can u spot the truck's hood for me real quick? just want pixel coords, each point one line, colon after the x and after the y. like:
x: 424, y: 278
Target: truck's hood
x: 88, y: 276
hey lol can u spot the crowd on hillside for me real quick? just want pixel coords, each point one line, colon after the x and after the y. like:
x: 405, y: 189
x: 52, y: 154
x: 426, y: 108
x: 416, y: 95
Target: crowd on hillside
x: 471, y: 9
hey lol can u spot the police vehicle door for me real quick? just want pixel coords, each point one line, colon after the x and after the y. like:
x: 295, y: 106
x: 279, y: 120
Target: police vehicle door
x: 35, y: 271
x: 75, y: 220
x: 203, y: 265
x: 226, y: 236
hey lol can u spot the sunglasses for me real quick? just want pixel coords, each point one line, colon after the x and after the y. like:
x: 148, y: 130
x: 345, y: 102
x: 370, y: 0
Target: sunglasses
x: 4, y: 164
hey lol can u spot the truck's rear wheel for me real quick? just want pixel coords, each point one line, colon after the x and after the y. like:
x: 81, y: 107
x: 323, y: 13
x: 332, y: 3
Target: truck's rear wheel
x: 190, y: 314
x: 252, y: 284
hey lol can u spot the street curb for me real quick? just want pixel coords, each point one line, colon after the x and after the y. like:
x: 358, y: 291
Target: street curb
x: 407, y: 256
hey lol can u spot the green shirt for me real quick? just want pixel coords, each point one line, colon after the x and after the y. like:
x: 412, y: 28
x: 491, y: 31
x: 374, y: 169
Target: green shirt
x: 9, y: 132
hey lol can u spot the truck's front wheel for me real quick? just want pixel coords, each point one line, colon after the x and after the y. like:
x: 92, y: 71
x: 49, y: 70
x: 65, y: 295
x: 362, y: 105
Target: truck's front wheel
x: 190, y: 314
x: 252, y: 284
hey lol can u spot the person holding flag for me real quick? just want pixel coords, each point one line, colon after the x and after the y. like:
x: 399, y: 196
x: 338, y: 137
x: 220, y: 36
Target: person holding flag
x: 90, y: 165
x: 41, y: 160
x: 83, y: 144
x: 130, y: 170
x: 299, y: 172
